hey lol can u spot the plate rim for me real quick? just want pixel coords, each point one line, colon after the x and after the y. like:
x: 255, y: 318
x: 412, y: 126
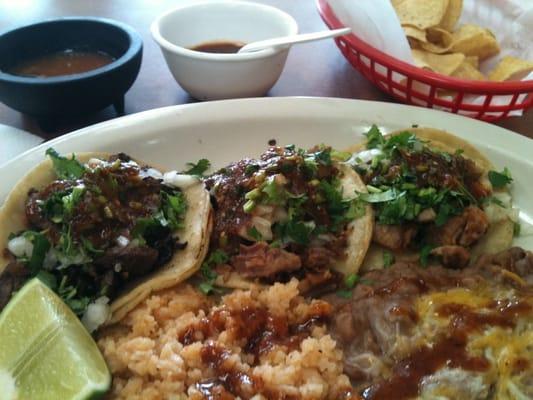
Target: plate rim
x: 263, y: 106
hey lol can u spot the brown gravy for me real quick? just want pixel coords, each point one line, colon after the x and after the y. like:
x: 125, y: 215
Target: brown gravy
x: 66, y: 62
x: 222, y: 47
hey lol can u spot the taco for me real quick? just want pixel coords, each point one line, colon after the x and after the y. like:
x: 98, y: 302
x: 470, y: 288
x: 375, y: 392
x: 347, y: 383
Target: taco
x: 436, y: 198
x: 100, y: 228
x: 289, y: 213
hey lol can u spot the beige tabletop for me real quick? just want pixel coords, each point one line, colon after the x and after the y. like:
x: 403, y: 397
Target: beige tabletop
x: 314, y: 69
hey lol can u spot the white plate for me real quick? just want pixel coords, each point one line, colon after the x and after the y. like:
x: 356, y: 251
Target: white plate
x: 14, y: 141
x: 228, y: 130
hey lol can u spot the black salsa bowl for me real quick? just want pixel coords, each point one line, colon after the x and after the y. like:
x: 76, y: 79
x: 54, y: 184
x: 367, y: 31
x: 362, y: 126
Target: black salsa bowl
x: 75, y: 94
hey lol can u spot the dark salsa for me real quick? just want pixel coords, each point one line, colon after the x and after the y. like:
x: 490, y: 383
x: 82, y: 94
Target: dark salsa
x: 94, y: 228
x: 424, y: 198
x: 282, y: 214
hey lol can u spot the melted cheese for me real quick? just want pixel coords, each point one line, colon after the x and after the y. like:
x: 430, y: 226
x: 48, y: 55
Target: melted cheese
x: 503, y: 347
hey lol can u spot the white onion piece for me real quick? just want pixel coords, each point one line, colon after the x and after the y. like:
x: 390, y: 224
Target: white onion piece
x: 263, y: 226
x: 364, y: 156
x: 181, y: 181
x: 263, y: 210
x: 50, y: 259
x: 122, y: 241
x: 150, y: 172
x: 96, y: 314
x: 95, y: 162
x: 20, y: 247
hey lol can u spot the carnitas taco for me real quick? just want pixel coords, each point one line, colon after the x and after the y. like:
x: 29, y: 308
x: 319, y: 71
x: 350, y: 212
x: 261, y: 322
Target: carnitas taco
x: 99, y: 229
x: 288, y: 213
x: 436, y: 198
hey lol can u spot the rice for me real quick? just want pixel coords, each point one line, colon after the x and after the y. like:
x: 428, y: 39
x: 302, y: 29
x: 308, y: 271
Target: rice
x: 259, y: 344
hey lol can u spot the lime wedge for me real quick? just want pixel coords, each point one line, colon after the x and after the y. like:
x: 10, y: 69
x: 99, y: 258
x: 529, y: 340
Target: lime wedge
x: 46, y: 351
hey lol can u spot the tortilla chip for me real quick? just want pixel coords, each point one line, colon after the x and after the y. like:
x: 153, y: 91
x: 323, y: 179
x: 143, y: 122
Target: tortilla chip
x: 420, y: 13
x: 467, y: 71
x: 510, y: 68
x: 473, y: 40
x: 445, y: 64
x: 439, y: 41
x: 473, y: 61
x: 453, y: 12
x: 439, y: 36
x: 415, y: 33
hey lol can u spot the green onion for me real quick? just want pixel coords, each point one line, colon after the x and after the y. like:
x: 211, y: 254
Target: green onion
x: 351, y: 280
x: 253, y: 194
x: 249, y: 206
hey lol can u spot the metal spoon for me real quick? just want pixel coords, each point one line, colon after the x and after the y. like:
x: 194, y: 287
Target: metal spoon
x: 295, y: 39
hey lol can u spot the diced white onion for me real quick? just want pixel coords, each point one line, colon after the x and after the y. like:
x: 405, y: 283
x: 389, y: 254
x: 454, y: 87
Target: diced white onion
x: 263, y: 210
x: 77, y: 259
x: 122, y: 241
x: 50, y: 259
x: 498, y: 212
x: 20, y: 247
x: 96, y: 314
x: 364, y: 156
x: 263, y: 226
x: 95, y: 162
x: 181, y: 181
x: 150, y: 172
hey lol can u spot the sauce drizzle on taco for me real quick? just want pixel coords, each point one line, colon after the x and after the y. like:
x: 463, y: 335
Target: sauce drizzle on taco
x: 425, y: 198
x: 286, y: 213
x: 95, y: 228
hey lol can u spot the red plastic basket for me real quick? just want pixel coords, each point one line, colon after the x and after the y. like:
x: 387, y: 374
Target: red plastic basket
x: 417, y: 86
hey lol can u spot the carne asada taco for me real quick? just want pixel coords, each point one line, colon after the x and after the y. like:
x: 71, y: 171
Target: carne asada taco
x: 289, y: 213
x: 102, y: 227
x: 434, y: 195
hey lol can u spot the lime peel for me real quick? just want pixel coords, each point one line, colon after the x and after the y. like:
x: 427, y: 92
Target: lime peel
x: 46, y: 351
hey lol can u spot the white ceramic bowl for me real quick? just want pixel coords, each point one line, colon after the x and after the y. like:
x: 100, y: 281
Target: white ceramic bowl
x: 210, y: 76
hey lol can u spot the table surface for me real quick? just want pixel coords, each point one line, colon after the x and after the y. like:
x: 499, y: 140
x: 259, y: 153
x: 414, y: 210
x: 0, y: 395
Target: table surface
x: 313, y: 69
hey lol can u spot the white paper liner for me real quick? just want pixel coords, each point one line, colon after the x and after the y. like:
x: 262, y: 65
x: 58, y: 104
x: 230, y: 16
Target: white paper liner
x: 375, y: 22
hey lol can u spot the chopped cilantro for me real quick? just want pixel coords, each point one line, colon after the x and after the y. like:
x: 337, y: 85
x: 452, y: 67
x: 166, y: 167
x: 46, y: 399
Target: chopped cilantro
x: 294, y: 231
x: 65, y: 168
x: 516, y: 229
x: 374, y: 138
x: 351, y: 280
x: 251, y: 169
x: 381, y: 197
x: 53, y: 207
x: 424, y: 254
x: 174, y: 208
x: 388, y: 259
x: 255, y: 234
x: 89, y: 247
x: 500, y: 179
x: 47, y: 278
x: 209, y: 276
x: 345, y: 294
x: 446, y: 210
x: 71, y: 200
x: 323, y: 156
x: 275, y: 194
x: 404, y: 139
x: 199, y: 168
x: 41, y: 245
